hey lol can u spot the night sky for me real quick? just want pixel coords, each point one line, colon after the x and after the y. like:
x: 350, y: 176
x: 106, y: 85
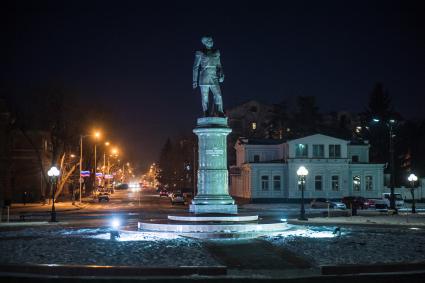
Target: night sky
x: 135, y: 58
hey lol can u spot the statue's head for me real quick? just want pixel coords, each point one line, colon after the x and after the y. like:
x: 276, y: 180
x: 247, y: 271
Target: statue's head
x: 207, y: 41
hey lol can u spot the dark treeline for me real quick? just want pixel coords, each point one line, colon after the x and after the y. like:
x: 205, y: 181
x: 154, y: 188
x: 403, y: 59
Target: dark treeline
x: 60, y: 114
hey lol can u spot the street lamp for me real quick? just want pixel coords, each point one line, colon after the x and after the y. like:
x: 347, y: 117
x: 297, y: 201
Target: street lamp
x: 302, y: 172
x: 53, y: 173
x: 412, y: 179
x: 97, y: 135
x: 390, y: 124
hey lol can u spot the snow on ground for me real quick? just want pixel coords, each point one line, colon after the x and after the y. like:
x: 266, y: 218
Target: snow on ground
x: 57, y: 245
x: 355, y: 245
x: 92, y: 246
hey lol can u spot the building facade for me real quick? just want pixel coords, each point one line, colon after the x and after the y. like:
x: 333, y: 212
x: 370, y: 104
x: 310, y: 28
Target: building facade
x: 265, y: 170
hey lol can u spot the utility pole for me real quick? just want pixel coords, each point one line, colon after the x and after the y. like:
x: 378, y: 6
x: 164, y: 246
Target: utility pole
x: 81, y: 164
x: 392, y: 168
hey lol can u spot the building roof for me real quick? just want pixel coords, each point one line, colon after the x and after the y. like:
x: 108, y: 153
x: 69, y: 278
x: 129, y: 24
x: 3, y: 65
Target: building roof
x: 318, y: 135
x: 256, y: 141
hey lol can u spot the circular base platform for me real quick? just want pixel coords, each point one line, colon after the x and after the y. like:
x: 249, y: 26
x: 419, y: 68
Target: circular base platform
x: 213, y: 218
x: 212, y: 230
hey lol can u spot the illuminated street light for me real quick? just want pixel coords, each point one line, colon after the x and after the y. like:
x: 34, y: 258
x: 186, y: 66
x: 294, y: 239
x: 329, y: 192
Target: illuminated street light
x: 390, y: 125
x: 97, y: 136
x: 302, y: 172
x: 412, y: 179
x: 53, y: 173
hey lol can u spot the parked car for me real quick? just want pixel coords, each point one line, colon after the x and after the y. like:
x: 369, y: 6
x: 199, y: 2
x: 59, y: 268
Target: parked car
x: 370, y: 203
x: 319, y: 203
x: 384, y: 203
x: 325, y: 203
x: 355, y: 202
x: 122, y: 186
x: 177, y: 198
x: 103, y: 195
x: 163, y: 193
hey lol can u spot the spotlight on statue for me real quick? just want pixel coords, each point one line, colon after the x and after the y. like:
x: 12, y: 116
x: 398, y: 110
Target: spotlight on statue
x: 114, y: 233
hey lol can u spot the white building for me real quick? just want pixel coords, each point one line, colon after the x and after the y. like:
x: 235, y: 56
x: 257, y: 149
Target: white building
x: 265, y: 170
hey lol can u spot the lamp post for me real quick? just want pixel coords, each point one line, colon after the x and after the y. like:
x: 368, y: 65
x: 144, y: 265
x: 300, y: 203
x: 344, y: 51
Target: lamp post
x: 302, y: 172
x: 104, y: 162
x: 412, y: 179
x: 53, y: 173
x: 97, y: 136
x: 390, y: 124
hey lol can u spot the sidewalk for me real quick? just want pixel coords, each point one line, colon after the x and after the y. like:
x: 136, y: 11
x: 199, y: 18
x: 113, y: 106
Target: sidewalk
x: 411, y: 220
x: 39, y: 207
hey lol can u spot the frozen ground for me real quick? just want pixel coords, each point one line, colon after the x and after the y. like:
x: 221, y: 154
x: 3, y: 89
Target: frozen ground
x: 58, y: 245
x: 355, y: 245
x: 93, y: 247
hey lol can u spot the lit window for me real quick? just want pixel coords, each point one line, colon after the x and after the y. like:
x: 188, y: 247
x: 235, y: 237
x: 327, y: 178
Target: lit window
x: 276, y: 183
x: 301, y: 150
x: 369, y: 183
x: 254, y: 126
x: 335, y: 183
x: 356, y: 183
x: 318, y: 183
x: 265, y: 183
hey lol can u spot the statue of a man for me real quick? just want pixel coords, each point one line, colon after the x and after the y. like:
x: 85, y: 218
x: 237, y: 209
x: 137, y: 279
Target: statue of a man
x: 208, y: 73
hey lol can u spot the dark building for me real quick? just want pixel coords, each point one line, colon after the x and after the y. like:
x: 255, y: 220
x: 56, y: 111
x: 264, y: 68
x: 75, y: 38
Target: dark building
x: 30, y: 160
x: 5, y: 154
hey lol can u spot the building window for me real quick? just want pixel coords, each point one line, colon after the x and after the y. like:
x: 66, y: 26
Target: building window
x: 301, y: 150
x: 335, y: 183
x: 318, y: 183
x: 318, y: 150
x: 369, y: 183
x: 265, y: 183
x: 254, y: 125
x: 256, y: 158
x: 354, y: 158
x: 276, y: 183
x: 356, y: 183
x: 334, y: 151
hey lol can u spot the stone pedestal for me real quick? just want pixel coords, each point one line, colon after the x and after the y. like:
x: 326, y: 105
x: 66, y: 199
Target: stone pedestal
x: 213, y: 189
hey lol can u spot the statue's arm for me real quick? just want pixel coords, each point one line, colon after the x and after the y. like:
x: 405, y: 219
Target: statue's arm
x: 196, y: 65
x: 220, y: 69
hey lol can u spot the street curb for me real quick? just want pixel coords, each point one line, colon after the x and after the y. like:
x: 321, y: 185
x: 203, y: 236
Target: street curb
x: 120, y: 271
x: 336, y: 223
x: 371, y: 268
x: 412, y: 277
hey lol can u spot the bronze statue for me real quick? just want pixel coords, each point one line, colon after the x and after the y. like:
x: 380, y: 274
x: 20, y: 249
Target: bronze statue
x: 208, y: 74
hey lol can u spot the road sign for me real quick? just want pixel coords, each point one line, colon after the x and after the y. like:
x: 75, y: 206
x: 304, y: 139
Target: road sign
x: 85, y: 174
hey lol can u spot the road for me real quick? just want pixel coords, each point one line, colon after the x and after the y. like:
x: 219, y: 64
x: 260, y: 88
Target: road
x: 130, y: 207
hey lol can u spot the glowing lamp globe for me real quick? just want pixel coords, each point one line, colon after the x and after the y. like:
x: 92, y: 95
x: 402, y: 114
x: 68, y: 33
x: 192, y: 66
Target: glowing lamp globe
x: 412, y: 178
x: 53, y: 172
x: 302, y: 171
